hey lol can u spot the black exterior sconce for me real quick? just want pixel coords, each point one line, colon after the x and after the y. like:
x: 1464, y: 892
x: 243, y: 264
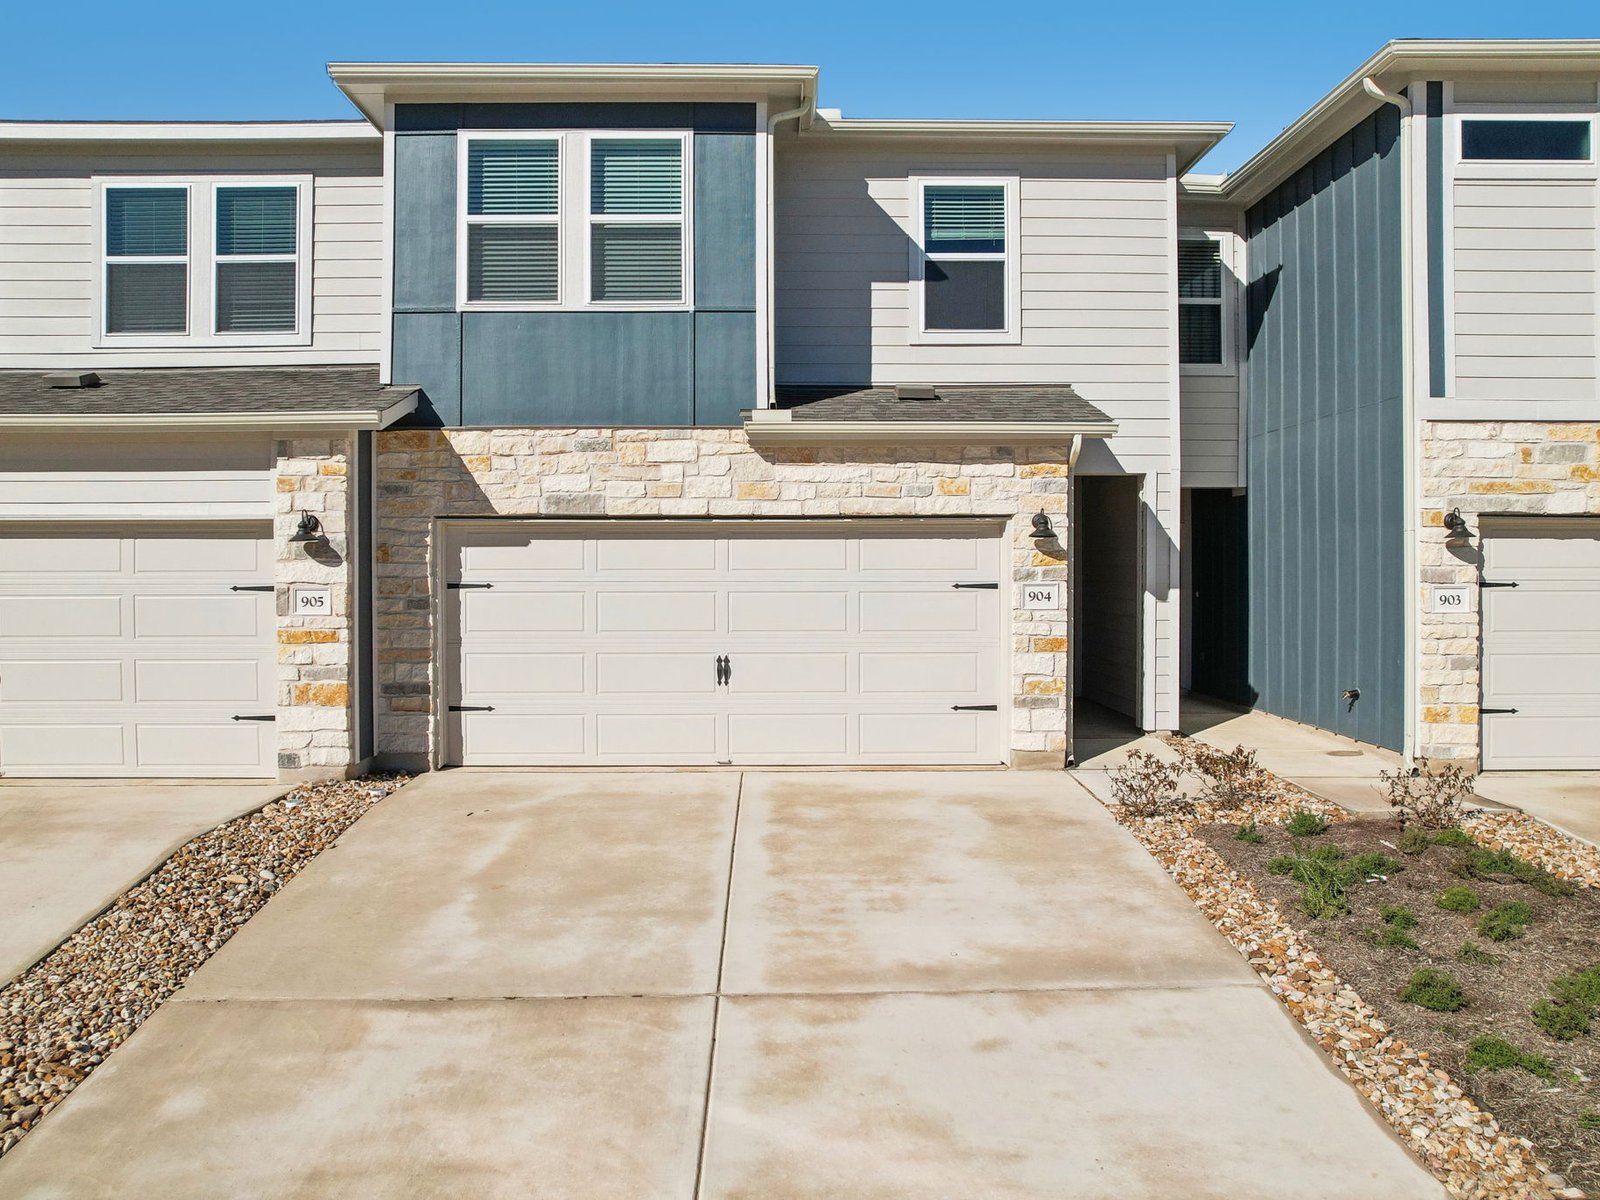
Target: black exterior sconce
x: 309, y: 530
x: 1455, y: 526
x: 1041, y: 526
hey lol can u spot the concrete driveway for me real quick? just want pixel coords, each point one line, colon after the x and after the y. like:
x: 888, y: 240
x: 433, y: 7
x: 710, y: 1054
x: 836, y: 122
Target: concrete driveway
x: 68, y: 849
x: 658, y: 985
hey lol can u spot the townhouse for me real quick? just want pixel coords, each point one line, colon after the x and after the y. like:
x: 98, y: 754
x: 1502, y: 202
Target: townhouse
x: 584, y: 415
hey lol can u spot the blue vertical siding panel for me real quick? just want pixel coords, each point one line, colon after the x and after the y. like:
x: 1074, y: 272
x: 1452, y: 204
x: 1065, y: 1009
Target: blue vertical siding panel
x: 1435, y: 211
x: 593, y: 368
x: 427, y: 354
x: 425, y: 221
x: 724, y: 366
x: 724, y: 221
x: 1325, y: 439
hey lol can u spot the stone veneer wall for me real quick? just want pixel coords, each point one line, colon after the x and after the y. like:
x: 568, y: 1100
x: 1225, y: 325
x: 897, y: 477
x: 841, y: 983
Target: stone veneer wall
x: 315, y: 728
x: 1522, y: 468
x: 622, y: 473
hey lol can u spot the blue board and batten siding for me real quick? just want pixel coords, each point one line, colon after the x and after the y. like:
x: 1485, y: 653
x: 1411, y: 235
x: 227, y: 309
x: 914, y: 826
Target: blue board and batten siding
x: 564, y: 368
x: 1326, y: 440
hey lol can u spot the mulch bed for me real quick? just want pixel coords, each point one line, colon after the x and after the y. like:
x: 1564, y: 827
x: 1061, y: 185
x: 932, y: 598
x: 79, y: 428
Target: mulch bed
x: 62, y: 1017
x: 1563, y: 937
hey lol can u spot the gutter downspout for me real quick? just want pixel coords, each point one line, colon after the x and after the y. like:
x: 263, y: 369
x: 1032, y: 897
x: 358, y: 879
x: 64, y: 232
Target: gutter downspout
x: 1071, y: 543
x: 771, y: 247
x: 1412, y: 450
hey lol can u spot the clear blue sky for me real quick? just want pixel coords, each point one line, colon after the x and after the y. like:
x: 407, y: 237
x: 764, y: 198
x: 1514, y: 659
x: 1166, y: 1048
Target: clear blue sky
x: 1148, y: 60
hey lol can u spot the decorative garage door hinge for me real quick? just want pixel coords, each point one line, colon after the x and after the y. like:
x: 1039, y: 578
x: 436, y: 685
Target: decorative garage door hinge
x: 255, y: 717
x: 1489, y: 712
x: 988, y: 587
x: 472, y: 708
x: 457, y: 587
x: 974, y: 708
x: 1489, y: 583
x: 253, y: 587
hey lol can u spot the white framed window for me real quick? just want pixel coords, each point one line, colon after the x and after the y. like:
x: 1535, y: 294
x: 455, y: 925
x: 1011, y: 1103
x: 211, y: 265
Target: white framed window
x: 1526, y: 141
x: 965, y: 279
x: 1205, y: 296
x: 212, y: 261
x: 567, y: 220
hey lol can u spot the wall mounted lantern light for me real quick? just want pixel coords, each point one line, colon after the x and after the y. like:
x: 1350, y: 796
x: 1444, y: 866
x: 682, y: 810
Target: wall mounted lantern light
x: 1041, y: 526
x: 1455, y: 526
x: 309, y: 530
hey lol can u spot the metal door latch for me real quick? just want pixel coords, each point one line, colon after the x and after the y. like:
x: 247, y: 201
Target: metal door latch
x: 472, y: 708
x: 253, y: 587
x: 1489, y: 712
x: 255, y: 717
x: 974, y: 708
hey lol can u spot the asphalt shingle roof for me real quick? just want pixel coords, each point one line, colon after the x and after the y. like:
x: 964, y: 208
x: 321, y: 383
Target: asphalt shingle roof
x: 201, y: 391
x: 845, y: 402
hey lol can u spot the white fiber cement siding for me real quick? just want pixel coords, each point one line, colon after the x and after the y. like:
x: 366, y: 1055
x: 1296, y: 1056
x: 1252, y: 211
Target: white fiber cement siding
x: 1210, y: 429
x: 48, y: 268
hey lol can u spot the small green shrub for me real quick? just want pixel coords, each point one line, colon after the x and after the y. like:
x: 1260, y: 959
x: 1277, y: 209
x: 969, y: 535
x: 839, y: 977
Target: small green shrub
x: 1581, y: 990
x: 1249, y: 833
x: 1394, y: 937
x: 1306, y: 824
x: 1481, y: 863
x: 1436, y: 990
x: 1413, y: 841
x: 1589, y: 1119
x: 1495, y: 1054
x: 1505, y: 922
x: 1453, y: 837
x: 1373, y: 863
x: 1561, y: 1021
x: 1398, y: 916
x: 1459, y: 899
x: 1475, y: 954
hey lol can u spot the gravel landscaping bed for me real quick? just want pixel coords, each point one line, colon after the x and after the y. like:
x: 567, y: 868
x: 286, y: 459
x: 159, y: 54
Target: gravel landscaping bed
x: 1461, y: 1143
x: 63, y: 1016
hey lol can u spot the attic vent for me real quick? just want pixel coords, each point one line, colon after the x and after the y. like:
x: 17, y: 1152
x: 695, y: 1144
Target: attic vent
x: 914, y: 391
x: 72, y: 379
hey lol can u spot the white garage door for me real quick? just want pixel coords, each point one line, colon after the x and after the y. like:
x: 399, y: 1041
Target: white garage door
x: 129, y: 651
x: 725, y: 643
x: 1541, y: 645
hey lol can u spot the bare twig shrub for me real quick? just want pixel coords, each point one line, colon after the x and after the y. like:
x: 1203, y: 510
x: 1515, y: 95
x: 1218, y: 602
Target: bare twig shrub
x: 1430, y: 799
x: 1232, y: 779
x: 1145, y: 786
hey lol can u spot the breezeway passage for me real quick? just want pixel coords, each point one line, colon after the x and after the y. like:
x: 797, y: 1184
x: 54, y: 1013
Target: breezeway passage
x: 670, y: 985
x: 713, y: 642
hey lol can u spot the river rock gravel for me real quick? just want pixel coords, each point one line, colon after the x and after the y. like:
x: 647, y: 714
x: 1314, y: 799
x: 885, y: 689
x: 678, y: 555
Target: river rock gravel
x: 62, y: 1017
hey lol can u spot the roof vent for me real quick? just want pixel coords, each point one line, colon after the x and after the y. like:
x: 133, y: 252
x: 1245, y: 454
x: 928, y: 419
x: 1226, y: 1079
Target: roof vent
x: 915, y: 391
x: 72, y: 379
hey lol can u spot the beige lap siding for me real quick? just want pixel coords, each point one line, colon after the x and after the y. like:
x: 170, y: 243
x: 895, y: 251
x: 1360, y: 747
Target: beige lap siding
x: 1522, y: 468
x: 691, y: 473
x: 314, y: 715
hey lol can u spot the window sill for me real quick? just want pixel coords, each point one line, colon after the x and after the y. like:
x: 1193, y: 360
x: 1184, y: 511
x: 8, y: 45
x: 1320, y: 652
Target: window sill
x: 952, y: 337
x: 1206, y: 369
x: 184, y: 341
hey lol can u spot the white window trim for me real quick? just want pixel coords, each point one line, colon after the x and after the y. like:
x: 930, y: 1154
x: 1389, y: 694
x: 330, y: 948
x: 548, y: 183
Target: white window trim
x: 919, y: 334
x: 574, y: 221
x: 202, y: 263
x: 1455, y: 115
x: 1227, y: 301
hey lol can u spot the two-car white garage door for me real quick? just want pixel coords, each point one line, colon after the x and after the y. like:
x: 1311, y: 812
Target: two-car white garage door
x: 724, y: 642
x: 137, y: 650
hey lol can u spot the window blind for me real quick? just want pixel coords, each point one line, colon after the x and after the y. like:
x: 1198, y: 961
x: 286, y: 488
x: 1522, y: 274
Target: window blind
x: 964, y: 219
x: 255, y: 297
x: 637, y: 262
x: 1199, y: 270
x: 147, y: 222
x: 256, y: 220
x: 1200, y: 333
x: 146, y: 297
x: 636, y: 175
x: 520, y: 178
x: 512, y: 262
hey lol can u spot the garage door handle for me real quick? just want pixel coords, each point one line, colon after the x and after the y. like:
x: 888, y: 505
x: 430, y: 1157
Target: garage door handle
x: 974, y: 708
x: 256, y: 717
x: 1489, y: 712
x: 990, y: 587
x: 724, y: 670
x: 472, y: 708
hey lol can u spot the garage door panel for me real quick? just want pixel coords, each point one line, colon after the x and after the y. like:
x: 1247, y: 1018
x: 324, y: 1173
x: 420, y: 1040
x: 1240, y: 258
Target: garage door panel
x: 926, y: 555
x: 187, y: 554
x: 656, y: 612
x: 495, y: 739
x: 507, y: 610
x: 510, y: 674
x: 61, y: 681
x: 240, y: 615
x: 788, y: 612
x: 956, y: 674
x: 201, y: 748
x: 920, y: 734
x: 757, y: 672
x: 1551, y: 741
x: 672, y: 555
x: 30, y: 555
x: 959, y: 612
x: 789, y: 555
x: 1545, y: 610
x: 659, y: 736
x: 1549, y: 673
x: 199, y: 681
x: 513, y: 551
x: 646, y: 672
x: 66, y: 748
x: 790, y: 736
x: 74, y: 617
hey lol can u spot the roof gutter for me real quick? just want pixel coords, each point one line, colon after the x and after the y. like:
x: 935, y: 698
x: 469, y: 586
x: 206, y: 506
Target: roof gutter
x: 242, y: 422
x: 777, y: 427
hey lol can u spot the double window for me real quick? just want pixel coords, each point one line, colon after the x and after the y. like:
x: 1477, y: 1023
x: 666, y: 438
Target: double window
x: 1202, y: 301
x: 572, y: 220
x: 964, y: 268
x: 198, y: 262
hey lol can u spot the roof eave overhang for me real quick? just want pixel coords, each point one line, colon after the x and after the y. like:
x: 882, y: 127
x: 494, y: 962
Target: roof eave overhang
x: 1189, y: 141
x: 234, y: 422
x: 775, y: 427
x: 1394, y: 66
x: 38, y: 133
x: 372, y: 87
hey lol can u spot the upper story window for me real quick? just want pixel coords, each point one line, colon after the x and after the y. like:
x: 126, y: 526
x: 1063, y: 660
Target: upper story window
x: 571, y: 220
x: 203, y: 262
x: 1524, y: 140
x: 1202, y: 302
x: 965, y: 279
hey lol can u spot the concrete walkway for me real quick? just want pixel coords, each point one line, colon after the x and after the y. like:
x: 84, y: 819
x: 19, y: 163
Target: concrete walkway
x: 68, y: 849
x: 1569, y: 800
x: 659, y: 985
